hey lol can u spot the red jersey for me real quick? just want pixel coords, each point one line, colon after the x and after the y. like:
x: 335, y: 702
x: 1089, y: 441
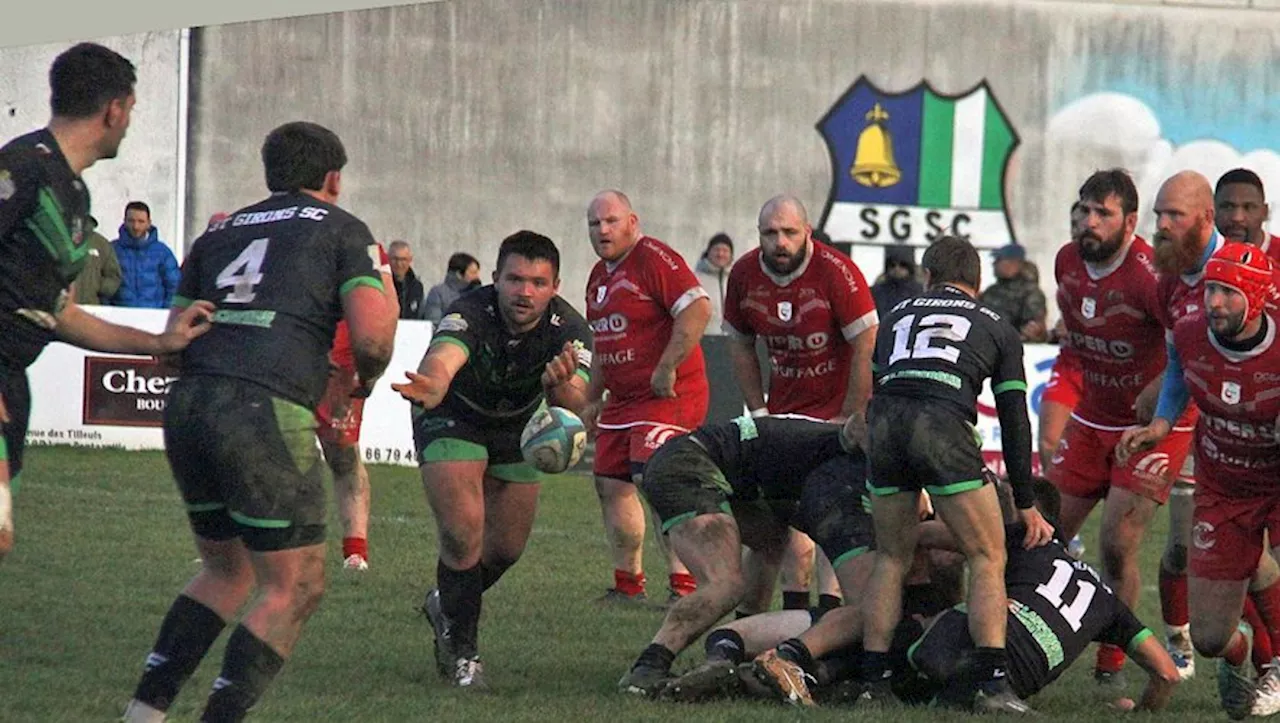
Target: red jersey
x: 341, y: 355
x: 1236, y: 449
x: 807, y: 319
x: 1271, y: 247
x: 631, y: 306
x: 1112, y: 317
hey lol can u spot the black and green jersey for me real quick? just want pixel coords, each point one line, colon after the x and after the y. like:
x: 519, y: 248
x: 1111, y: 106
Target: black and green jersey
x: 1059, y: 606
x: 502, y: 379
x: 277, y: 272
x: 770, y: 458
x: 43, y: 210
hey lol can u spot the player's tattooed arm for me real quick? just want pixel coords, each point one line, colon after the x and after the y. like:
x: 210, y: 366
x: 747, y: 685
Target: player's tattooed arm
x: 429, y: 385
x: 686, y: 333
x: 80, y: 328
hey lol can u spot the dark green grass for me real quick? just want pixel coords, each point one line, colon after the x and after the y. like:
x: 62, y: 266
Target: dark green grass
x: 103, y: 547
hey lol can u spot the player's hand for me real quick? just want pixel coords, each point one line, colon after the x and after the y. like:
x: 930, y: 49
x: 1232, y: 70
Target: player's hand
x: 1144, y: 407
x: 1033, y: 331
x: 194, y: 320
x: 417, y: 389
x: 590, y: 416
x: 561, y: 368
x: 1138, y: 439
x: 1039, y: 531
x: 855, y: 432
x: 663, y: 381
x: 924, y: 506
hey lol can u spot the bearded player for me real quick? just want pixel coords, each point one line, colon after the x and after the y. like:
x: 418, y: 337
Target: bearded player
x: 1222, y: 357
x: 814, y: 310
x: 1107, y: 294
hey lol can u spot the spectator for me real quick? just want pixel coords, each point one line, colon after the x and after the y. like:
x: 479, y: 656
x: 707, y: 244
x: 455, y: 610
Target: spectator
x: 1016, y: 294
x: 463, y: 274
x: 149, y: 270
x: 100, y: 279
x: 408, y: 286
x: 712, y: 271
x: 898, y: 283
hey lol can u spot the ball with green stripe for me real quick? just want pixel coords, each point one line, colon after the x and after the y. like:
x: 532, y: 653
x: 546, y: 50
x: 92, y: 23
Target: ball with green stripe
x: 553, y: 440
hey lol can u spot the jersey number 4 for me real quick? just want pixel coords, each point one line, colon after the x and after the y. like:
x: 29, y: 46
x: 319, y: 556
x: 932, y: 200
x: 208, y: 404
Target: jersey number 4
x: 939, y: 327
x: 250, y: 262
x: 1057, y: 585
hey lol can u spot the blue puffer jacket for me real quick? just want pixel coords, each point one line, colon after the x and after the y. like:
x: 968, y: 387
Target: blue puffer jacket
x: 149, y: 270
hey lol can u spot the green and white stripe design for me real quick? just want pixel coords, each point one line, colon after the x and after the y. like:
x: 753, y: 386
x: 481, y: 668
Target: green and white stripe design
x: 972, y: 134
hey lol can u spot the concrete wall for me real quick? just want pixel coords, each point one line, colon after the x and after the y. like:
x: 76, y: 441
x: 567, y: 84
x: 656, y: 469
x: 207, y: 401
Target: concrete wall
x: 147, y: 168
x: 468, y: 120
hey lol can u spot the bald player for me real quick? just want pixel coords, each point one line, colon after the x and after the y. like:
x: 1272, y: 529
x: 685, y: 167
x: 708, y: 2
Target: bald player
x: 814, y: 311
x: 647, y: 311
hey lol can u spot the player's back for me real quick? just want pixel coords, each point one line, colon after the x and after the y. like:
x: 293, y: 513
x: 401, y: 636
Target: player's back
x: 276, y: 271
x: 770, y: 456
x: 941, y: 346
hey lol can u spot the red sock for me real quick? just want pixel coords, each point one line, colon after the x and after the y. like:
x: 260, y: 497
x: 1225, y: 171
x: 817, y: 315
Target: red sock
x: 682, y: 583
x: 1237, y: 649
x: 1261, y: 652
x: 355, y: 546
x: 628, y: 584
x: 1110, y: 658
x: 1267, y: 602
x: 1173, y: 598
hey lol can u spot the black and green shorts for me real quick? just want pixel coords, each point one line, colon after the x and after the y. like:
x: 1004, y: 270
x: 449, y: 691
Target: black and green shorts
x: 914, y: 445
x: 247, y: 463
x: 681, y: 482
x: 831, y: 509
x: 442, y: 436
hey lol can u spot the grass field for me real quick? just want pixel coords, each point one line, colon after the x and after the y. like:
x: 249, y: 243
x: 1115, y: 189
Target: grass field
x: 103, y: 547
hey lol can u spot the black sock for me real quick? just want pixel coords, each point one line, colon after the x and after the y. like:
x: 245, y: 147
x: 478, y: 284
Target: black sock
x: 797, y: 652
x: 726, y: 644
x: 795, y: 600
x: 248, y: 667
x: 989, y: 664
x: 188, y: 631
x: 829, y: 602
x: 460, y: 592
x: 875, y: 666
x: 491, y: 573
x: 656, y: 656
x: 838, y: 665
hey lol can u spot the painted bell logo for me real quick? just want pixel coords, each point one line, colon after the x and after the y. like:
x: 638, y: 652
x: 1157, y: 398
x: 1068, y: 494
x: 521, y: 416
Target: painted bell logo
x: 784, y: 310
x: 909, y: 167
x: 1230, y: 392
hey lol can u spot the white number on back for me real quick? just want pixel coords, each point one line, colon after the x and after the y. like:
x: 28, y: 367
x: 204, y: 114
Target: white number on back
x: 943, y: 327
x: 1052, y: 591
x: 250, y: 260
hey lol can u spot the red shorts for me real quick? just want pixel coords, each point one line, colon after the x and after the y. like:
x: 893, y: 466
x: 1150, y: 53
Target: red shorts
x: 1227, y: 533
x: 339, y: 414
x: 1066, y: 380
x: 1084, y: 465
x: 621, y: 453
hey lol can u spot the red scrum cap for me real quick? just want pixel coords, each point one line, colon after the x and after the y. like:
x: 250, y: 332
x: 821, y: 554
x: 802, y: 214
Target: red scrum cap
x: 1245, y: 269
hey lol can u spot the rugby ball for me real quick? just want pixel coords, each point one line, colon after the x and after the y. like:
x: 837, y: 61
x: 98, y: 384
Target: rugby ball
x: 553, y: 440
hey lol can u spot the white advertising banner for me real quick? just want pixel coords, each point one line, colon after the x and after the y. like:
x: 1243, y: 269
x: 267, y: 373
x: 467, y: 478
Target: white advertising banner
x: 105, y: 400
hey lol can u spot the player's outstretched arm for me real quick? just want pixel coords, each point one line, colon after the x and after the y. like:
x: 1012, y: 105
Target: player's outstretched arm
x: 565, y: 381
x: 79, y: 327
x: 430, y: 384
x: 1162, y: 674
x: 372, y: 321
x: 686, y: 333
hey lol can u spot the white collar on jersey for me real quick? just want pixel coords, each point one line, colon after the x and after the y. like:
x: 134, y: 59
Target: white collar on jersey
x: 785, y: 280
x: 1237, y: 357
x: 1097, y: 273
x: 1216, y: 241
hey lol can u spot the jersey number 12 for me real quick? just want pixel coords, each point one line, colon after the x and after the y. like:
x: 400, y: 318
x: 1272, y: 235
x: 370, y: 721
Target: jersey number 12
x: 250, y: 260
x: 942, y: 327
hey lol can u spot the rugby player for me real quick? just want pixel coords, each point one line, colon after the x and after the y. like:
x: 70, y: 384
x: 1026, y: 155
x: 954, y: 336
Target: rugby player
x: 44, y: 207
x: 1222, y: 357
x: 744, y: 482
x: 648, y: 311
x: 497, y: 353
x: 814, y: 310
x: 1241, y: 210
x: 240, y: 421
x: 1107, y: 295
x: 933, y: 354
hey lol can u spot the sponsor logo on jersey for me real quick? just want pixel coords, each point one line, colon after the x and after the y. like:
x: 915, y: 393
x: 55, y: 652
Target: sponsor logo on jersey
x: 1088, y: 307
x: 784, y: 310
x: 1231, y: 392
x: 600, y: 293
x: 452, y: 322
x: 611, y: 324
x: 1202, y: 536
x: 913, y: 165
